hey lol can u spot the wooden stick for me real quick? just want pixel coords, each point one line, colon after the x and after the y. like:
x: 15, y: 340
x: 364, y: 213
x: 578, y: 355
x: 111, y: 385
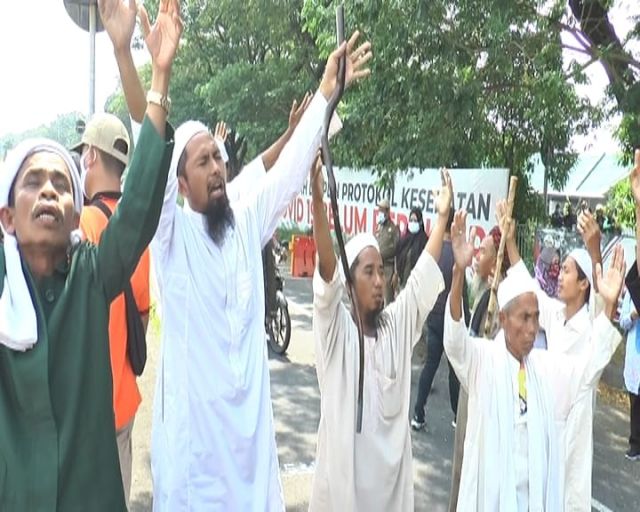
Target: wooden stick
x: 493, y: 298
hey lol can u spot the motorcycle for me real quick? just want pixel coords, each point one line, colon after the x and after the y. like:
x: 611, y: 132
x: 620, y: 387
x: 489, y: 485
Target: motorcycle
x: 277, y: 318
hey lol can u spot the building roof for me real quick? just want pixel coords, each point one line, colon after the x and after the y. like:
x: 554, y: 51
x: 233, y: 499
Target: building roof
x: 592, y: 176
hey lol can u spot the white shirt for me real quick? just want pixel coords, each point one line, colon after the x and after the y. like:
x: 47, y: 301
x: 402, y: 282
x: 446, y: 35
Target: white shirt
x: 371, y: 471
x: 493, y: 449
x: 572, y: 337
x: 213, y: 442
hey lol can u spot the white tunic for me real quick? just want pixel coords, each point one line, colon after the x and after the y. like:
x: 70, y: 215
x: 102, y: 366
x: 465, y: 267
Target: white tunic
x: 213, y: 444
x: 371, y: 471
x: 493, y: 455
x: 572, y: 337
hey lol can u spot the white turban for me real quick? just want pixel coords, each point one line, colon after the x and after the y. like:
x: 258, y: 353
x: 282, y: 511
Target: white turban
x: 356, y: 245
x: 514, y: 285
x: 583, y: 260
x: 18, y: 321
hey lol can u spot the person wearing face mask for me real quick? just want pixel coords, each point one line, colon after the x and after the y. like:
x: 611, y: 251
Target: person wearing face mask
x: 387, y: 234
x: 410, y: 247
x: 569, y: 323
x: 105, y: 150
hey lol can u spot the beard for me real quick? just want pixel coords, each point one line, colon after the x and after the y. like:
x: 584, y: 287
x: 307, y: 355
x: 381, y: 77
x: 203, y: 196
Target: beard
x: 219, y: 217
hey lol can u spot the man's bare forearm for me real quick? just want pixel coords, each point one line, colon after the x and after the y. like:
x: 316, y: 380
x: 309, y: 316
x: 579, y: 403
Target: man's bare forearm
x: 131, y: 85
x: 455, y: 297
x: 271, y: 155
x: 322, y: 236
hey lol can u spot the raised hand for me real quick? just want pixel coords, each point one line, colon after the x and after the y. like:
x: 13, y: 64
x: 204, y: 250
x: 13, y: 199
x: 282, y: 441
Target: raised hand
x: 221, y: 131
x: 610, y: 285
x: 317, y: 179
x: 590, y: 231
x: 119, y: 20
x: 634, y: 177
x: 356, y: 59
x: 163, y: 37
x: 445, y: 194
x: 297, y: 110
x: 462, y: 247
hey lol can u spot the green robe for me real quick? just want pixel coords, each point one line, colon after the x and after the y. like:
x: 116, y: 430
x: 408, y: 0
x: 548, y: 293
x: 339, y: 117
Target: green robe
x: 57, y: 429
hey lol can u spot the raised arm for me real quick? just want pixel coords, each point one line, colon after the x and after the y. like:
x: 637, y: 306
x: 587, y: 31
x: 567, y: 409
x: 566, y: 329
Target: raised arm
x: 271, y: 155
x: 443, y: 204
x: 604, y: 336
x: 461, y: 349
x: 249, y: 179
x: 412, y: 305
x: 463, y: 257
x: 591, y: 236
x: 133, y: 224
x: 119, y: 20
x: 321, y: 232
x: 290, y: 170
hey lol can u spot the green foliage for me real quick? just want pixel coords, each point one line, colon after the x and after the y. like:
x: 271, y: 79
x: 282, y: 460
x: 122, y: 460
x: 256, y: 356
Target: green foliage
x: 622, y: 204
x: 62, y: 129
x: 454, y: 82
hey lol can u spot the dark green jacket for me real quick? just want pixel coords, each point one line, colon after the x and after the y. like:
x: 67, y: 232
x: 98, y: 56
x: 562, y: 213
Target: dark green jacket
x: 57, y: 430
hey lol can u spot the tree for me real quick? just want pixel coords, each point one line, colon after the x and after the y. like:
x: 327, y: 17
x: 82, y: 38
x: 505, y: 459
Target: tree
x: 241, y: 62
x: 596, y: 38
x: 455, y: 83
x: 462, y: 86
x: 62, y: 129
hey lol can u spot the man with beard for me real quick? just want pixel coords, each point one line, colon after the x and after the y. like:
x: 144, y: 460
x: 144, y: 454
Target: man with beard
x: 57, y: 430
x: 372, y: 470
x: 213, y: 444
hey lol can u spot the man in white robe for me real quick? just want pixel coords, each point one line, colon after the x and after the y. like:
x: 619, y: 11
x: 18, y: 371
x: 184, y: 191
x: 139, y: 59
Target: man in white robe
x: 519, y: 399
x: 213, y: 444
x: 370, y: 471
x: 568, y: 323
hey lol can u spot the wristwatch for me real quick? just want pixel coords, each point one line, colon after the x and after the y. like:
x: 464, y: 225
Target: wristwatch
x: 160, y: 100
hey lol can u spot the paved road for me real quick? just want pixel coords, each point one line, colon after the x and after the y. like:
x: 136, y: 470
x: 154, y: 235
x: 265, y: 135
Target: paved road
x: 296, y: 405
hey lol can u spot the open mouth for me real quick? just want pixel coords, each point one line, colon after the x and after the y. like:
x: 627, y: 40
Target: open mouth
x: 47, y: 215
x: 216, y: 188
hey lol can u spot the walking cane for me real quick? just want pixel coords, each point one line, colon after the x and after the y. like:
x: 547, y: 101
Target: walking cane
x: 493, y: 298
x: 331, y: 180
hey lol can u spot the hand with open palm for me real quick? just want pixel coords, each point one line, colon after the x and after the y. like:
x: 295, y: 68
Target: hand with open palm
x: 163, y: 37
x: 355, y: 61
x: 444, y: 200
x: 462, y: 247
x: 119, y: 20
x: 295, y: 114
x: 610, y: 284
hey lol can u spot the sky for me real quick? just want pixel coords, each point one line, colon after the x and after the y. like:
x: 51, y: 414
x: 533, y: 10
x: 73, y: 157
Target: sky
x: 50, y: 70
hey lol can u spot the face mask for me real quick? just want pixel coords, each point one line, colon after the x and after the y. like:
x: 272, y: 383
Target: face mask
x: 413, y: 227
x: 381, y: 218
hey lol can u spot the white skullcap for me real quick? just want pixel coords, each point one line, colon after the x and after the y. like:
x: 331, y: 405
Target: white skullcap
x: 18, y: 321
x: 187, y: 131
x: 358, y: 244
x: 583, y: 260
x: 514, y: 285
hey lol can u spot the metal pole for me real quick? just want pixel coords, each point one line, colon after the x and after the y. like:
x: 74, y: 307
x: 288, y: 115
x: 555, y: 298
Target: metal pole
x: 92, y: 58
